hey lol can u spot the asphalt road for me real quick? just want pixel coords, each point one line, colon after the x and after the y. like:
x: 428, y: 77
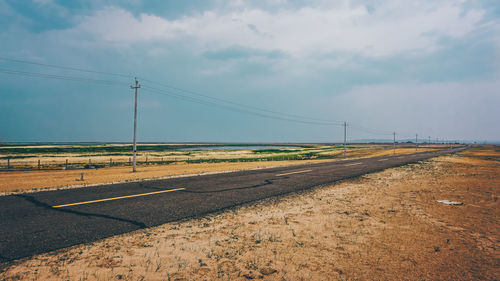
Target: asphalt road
x: 39, y: 222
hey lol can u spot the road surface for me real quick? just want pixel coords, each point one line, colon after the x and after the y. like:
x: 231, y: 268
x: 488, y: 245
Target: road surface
x: 34, y: 223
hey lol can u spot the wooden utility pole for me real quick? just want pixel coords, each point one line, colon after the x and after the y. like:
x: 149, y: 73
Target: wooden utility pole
x: 394, y: 134
x: 416, y: 141
x: 137, y: 86
x: 345, y: 137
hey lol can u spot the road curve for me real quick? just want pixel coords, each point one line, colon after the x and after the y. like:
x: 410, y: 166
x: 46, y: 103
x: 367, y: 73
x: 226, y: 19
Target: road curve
x: 39, y: 222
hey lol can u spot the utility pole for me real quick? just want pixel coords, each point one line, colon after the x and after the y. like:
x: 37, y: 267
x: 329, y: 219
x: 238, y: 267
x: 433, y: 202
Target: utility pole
x: 416, y: 142
x: 345, y: 138
x: 394, y: 134
x: 137, y: 86
x: 429, y: 139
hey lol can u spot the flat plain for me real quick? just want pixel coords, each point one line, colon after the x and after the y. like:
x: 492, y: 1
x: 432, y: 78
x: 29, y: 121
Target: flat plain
x: 381, y: 226
x: 172, y: 163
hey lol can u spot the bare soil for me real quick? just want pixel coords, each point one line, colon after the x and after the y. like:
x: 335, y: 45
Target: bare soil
x: 21, y: 181
x: 381, y: 226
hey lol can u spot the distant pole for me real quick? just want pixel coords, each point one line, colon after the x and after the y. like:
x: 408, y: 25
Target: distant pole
x: 416, y: 141
x: 345, y: 136
x: 394, y: 134
x: 38, y: 164
x: 429, y: 139
x: 137, y: 86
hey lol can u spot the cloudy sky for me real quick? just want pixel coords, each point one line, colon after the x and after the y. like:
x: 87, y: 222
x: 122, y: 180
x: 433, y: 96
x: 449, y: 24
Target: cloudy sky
x: 253, y: 71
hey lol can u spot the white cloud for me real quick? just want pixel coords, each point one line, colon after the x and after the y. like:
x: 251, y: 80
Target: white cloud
x: 392, y: 28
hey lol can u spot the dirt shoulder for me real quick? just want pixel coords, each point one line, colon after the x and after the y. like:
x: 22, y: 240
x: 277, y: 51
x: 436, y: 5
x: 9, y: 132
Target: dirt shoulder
x: 19, y: 181
x: 382, y: 226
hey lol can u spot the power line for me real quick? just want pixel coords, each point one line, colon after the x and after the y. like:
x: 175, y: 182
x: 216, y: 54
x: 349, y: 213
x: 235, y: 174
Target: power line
x: 159, y: 91
x: 209, y: 103
x: 370, y: 131
x: 59, y: 77
x: 65, y: 67
x: 213, y: 101
x: 240, y: 104
x: 339, y: 123
x: 379, y: 132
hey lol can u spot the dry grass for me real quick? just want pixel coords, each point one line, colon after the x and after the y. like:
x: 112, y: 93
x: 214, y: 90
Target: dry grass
x: 94, y: 155
x: 382, y: 226
x: 54, y: 160
x: 35, y: 180
x: 21, y: 181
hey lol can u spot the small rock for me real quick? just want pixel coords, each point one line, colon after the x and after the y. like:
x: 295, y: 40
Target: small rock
x: 448, y: 202
x: 249, y: 276
x: 267, y: 271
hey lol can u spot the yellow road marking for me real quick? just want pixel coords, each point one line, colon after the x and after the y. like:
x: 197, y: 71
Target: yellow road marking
x: 347, y: 165
x: 291, y: 173
x: 383, y: 159
x: 116, y: 198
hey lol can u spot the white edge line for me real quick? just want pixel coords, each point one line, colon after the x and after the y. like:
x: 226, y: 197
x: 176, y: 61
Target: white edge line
x: 65, y: 187
x: 291, y: 173
x: 347, y: 165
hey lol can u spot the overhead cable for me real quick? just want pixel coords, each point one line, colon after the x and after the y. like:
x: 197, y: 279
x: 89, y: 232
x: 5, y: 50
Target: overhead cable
x: 209, y: 103
x: 240, y: 104
x: 66, y: 67
x: 60, y: 77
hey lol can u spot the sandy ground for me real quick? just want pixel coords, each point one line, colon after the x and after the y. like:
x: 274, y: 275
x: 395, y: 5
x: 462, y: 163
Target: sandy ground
x: 21, y: 181
x: 382, y: 226
x: 34, y: 180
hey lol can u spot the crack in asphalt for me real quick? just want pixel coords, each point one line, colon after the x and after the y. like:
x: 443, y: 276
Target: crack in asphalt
x: 267, y: 182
